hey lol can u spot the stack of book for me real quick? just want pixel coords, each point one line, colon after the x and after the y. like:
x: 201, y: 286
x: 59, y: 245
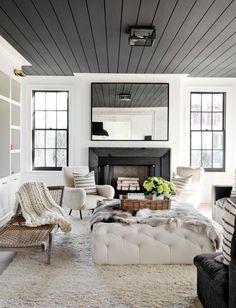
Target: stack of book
x: 128, y: 183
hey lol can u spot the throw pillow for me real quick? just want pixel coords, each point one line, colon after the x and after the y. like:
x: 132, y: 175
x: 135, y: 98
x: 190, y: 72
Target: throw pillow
x: 182, y: 183
x: 233, y: 191
x: 221, y: 202
x: 87, y: 182
x: 228, y: 223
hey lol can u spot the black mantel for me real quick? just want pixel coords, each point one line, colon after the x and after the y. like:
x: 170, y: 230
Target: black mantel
x: 100, y: 160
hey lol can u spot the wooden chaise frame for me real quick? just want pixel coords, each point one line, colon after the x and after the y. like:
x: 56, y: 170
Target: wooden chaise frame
x: 14, y: 236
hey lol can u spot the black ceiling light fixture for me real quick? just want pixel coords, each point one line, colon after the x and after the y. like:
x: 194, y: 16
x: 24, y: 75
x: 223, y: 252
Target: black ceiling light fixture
x: 142, y: 36
x: 125, y: 97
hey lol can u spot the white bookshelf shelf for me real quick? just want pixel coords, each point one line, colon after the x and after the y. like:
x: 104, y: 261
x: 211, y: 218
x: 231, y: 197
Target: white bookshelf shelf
x: 15, y: 127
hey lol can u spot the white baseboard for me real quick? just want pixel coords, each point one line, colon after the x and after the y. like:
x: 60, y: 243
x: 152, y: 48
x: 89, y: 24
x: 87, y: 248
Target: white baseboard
x: 5, y: 218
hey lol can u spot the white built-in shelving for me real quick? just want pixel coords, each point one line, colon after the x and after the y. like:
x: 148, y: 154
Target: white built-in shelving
x: 10, y: 125
x: 10, y: 143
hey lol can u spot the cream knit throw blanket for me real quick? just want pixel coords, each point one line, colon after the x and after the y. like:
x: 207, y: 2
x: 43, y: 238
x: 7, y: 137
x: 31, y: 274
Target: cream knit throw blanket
x: 38, y: 207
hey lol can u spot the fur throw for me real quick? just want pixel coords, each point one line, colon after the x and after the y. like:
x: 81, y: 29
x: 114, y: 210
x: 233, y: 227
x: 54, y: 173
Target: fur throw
x: 38, y: 207
x: 179, y: 216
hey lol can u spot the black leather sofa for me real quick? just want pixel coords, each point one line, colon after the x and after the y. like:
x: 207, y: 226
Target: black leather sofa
x: 216, y: 282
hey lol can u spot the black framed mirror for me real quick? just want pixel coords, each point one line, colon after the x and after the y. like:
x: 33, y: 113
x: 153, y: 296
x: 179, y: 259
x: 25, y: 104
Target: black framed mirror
x: 130, y: 111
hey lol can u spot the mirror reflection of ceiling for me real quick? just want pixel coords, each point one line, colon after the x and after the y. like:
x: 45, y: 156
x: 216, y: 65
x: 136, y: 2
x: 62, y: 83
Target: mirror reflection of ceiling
x: 142, y: 95
x: 62, y: 37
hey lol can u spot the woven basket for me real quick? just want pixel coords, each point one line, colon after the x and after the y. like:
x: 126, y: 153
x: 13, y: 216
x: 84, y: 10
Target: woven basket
x: 132, y: 205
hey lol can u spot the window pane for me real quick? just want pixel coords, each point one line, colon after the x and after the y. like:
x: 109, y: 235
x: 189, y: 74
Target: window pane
x: 61, y: 158
x: 207, y: 140
x: 206, y: 102
x: 51, y: 101
x: 196, y: 140
x: 62, y: 100
x: 196, y: 102
x: 50, y: 158
x: 206, y: 159
x: 39, y: 139
x: 51, y: 119
x: 39, y: 158
x: 217, y: 159
x: 217, y: 121
x: 218, y: 140
x: 195, y: 158
x: 50, y: 139
x: 206, y: 121
x: 61, y: 139
x: 218, y: 102
x: 195, y: 121
x: 61, y: 119
x: 39, y: 119
x: 39, y: 100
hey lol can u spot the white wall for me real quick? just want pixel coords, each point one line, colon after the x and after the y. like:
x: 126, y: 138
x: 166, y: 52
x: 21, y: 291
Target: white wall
x: 80, y: 117
x: 227, y: 85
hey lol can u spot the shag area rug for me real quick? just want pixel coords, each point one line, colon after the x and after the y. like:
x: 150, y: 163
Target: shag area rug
x: 72, y: 280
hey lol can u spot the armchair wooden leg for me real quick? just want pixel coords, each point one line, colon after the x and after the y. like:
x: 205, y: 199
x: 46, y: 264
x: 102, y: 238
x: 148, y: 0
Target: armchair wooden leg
x: 80, y: 214
x: 49, y: 248
x: 70, y: 212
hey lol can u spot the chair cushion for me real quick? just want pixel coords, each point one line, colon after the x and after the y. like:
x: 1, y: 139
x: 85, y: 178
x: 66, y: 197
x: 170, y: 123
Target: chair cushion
x: 91, y: 201
x: 215, y: 273
x: 228, y: 223
x: 233, y: 191
x: 87, y: 182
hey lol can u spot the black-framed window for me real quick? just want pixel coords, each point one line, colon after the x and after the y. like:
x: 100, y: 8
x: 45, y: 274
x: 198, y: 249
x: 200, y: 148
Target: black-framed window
x: 50, y: 130
x: 207, y: 130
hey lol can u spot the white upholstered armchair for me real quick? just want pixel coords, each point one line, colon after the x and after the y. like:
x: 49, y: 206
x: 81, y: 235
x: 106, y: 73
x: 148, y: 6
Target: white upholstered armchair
x: 77, y: 198
x: 193, y: 194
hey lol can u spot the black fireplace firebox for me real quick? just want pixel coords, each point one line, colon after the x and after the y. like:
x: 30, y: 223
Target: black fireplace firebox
x: 141, y: 162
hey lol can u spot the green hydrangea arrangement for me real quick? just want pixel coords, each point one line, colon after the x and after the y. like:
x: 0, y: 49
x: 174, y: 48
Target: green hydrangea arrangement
x: 158, y: 186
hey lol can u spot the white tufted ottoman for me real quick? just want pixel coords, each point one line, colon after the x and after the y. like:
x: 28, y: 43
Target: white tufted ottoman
x: 115, y: 243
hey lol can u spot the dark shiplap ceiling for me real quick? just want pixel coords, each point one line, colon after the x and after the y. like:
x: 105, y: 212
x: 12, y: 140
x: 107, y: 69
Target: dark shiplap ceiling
x: 142, y: 95
x: 62, y: 37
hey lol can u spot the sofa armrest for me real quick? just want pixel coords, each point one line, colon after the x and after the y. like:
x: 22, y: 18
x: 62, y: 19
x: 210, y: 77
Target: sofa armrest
x: 219, y: 192
x: 74, y: 198
x: 106, y: 191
